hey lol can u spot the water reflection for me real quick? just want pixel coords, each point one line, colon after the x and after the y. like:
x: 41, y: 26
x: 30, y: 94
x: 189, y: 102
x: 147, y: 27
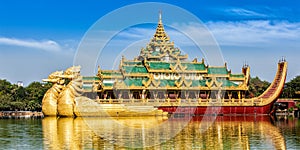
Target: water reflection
x: 290, y: 126
x: 246, y: 132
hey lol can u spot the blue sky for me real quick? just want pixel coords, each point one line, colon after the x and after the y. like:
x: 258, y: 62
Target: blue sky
x: 39, y: 37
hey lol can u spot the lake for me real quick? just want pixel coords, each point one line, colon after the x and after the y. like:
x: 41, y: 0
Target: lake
x: 176, y: 132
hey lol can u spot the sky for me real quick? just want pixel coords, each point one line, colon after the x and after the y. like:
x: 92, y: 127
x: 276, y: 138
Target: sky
x: 39, y: 37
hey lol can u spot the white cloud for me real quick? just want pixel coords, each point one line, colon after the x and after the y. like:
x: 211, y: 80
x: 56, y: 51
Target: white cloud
x: 244, y: 12
x: 137, y: 33
x: 47, y: 45
x: 259, y: 42
x: 247, y: 33
x: 259, y: 33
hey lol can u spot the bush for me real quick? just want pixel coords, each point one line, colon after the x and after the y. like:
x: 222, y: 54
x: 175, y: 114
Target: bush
x: 290, y: 109
x: 298, y: 106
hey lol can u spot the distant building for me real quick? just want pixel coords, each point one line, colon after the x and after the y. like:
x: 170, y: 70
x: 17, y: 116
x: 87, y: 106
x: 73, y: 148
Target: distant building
x: 20, y: 83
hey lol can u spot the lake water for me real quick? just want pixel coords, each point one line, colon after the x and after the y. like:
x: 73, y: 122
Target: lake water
x: 210, y: 132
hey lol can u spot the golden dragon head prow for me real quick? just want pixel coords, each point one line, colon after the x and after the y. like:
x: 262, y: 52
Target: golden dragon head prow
x: 55, y: 77
x: 72, y: 72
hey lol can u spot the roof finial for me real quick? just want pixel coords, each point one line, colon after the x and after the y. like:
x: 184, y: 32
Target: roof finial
x: 160, y: 16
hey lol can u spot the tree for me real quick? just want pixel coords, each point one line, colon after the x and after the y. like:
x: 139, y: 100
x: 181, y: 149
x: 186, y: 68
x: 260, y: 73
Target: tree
x: 5, y: 101
x: 13, y: 97
x: 292, y: 88
x: 5, y: 86
x: 35, y: 92
x: 6, y: 97
x: 17, y: 105
x: 20, y: 94
x: 257, y: 86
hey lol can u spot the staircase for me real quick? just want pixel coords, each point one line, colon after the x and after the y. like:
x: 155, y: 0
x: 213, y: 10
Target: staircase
x: 276, y: 87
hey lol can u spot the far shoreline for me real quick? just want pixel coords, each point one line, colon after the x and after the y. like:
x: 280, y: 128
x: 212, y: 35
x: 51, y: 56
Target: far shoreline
x: 20, y: 114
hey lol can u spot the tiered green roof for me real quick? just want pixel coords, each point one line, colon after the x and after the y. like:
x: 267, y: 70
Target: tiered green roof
x: 160, y: 61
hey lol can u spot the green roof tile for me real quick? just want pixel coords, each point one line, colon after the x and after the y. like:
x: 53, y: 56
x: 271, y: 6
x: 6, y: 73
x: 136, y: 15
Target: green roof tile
x: 136, y: 82
x: 227, y: 83
x: 164, y: 83
x: 196, y: 83
x: 222, y: 70
x: 155, y: 53
x: 191, y: 66
x: 90, y: 78
x: 135, y: 69
x: 159, y: 65
x: 132, y: 63
x: 108, y: 84
x: 111, y: 73
x: 237, y: 75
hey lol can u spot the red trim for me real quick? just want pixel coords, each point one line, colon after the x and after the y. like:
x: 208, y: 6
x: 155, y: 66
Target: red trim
x: 224, y: 110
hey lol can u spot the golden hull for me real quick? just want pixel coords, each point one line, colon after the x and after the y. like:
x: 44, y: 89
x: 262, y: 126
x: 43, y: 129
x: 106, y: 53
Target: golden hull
x: 65, y: 104
x: 49, y: 104
x: 87, y: 107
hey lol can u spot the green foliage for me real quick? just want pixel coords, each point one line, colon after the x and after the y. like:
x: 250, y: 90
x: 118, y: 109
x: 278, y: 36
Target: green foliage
x: 291, y: 109
x: 257, y: 86
x: 298, y: 106
x: 292, y: 88
x: 13, y: 97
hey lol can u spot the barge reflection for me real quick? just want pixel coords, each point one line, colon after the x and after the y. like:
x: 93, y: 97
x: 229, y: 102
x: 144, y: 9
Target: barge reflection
x: 226, y: 132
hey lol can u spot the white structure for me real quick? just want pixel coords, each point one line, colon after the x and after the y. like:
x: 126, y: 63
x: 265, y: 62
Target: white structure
x: 20, y: 83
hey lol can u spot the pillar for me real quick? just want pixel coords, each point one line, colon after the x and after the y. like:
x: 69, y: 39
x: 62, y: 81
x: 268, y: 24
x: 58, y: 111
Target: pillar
x: 229, y: 94
x: 197, y: 94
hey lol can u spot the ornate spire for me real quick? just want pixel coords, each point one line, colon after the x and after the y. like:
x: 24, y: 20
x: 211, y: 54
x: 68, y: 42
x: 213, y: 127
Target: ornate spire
x: 160, y: 33
x: 160, y: 48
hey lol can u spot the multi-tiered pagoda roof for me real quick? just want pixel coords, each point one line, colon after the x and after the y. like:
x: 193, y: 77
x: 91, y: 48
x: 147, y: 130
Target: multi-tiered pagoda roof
x: 161, y: 65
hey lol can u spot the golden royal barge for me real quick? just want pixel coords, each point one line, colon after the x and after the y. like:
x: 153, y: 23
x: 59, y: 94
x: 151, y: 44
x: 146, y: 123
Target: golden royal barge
x: 159, y: 81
